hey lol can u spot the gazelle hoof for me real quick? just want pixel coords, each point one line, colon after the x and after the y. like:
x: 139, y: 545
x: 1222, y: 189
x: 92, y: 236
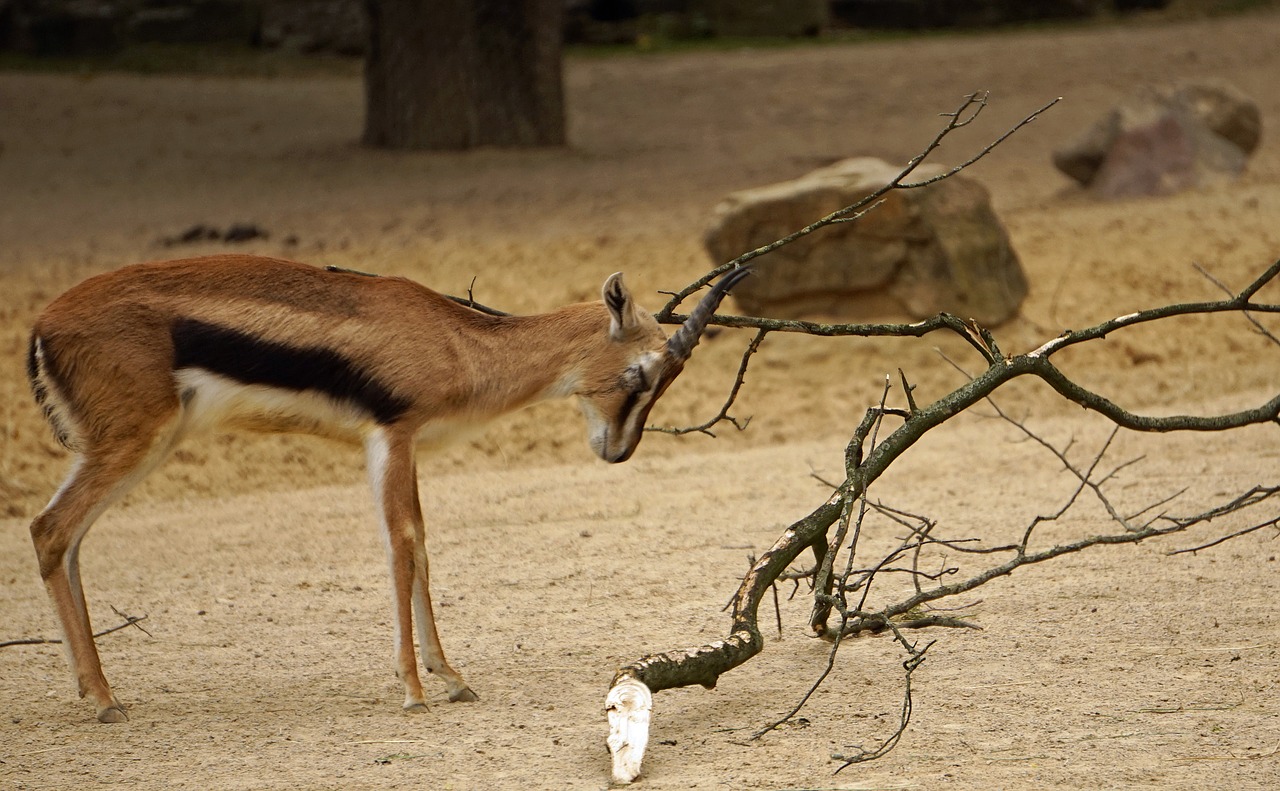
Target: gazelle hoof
x: 464, y: 695
x: 112, y: 714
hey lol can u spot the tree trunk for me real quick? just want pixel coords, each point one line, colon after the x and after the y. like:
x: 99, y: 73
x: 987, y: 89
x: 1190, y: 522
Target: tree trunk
x: 455, y: 74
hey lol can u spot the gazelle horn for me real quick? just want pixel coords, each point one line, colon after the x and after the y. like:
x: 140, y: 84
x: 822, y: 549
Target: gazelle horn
x: 680, y: 345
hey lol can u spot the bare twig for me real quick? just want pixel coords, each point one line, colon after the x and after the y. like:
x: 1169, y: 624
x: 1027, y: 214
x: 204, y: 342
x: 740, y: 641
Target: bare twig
x: 1248, y: 316
x: 915, y: 658
x: 1249, y: 499
x: 962, y: 116
x: 822, y: 582
x: 129, y: 620
x: 980, y: 100
x: 723, y: 414
x: 467, y: 301
x: 874, y: 621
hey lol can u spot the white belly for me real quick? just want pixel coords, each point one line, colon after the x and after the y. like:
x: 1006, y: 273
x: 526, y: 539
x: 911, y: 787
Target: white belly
x: 210, y: 402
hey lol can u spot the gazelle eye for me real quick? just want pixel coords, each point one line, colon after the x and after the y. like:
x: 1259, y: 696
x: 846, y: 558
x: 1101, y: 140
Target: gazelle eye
x: 634, y: 379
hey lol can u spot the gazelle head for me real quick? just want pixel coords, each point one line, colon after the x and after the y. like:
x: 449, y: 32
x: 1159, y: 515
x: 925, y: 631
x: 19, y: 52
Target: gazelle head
x: 621, y: 385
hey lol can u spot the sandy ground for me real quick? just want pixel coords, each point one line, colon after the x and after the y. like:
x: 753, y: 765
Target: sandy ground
x: 258, y: 565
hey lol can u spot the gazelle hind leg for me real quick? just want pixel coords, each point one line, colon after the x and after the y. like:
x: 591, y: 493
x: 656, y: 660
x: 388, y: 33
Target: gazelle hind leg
x: 56, y: 534
x: 98, y: 478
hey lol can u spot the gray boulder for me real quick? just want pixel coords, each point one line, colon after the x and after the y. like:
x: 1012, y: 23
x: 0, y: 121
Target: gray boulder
x: 1163, y: 140
x: 922, y: 251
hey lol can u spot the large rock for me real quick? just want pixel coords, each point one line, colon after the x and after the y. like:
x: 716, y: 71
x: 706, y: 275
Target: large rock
x: 1162, y: 140
x: 922, y: 251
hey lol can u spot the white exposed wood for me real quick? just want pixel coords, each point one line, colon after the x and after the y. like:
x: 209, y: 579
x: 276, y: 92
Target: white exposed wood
x: 629, y: 706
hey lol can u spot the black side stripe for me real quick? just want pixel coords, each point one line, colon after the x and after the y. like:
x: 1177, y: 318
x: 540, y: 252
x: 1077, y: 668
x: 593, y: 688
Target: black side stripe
x: 253, y: 361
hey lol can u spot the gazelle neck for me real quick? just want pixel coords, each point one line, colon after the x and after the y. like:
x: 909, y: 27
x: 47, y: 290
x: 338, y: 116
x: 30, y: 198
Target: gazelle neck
x: 520, y: 360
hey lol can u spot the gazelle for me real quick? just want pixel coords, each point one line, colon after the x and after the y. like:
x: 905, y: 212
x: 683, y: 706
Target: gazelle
x: 128, y: 363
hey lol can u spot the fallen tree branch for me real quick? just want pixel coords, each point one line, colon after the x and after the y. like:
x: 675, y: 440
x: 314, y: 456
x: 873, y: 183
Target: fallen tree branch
x: 868, y: 457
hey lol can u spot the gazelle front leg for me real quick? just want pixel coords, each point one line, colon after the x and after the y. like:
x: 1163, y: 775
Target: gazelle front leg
x: 395, y: 491
x: 428, y: 639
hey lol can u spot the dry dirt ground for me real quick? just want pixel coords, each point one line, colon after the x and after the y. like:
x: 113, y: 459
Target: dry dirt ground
x: 257, y: 562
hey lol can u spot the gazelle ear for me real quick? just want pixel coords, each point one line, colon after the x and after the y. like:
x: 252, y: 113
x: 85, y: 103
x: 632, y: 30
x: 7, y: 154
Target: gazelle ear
x: 622, y: 308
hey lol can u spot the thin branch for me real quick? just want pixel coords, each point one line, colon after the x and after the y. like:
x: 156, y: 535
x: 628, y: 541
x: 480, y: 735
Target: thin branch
x: 1265, y: 413
x: 130, y: 620
x: 972, y: 104
x: 908, y: 390
x: 1249, y: 316
x: 825, y: 576
x: 1269, y: 523
x: 986, y: 149
x: 916, y: 573
x: 817, y: 682
x: 1240, y: 302
x: 823, y: 583
x: 944, y: 321
x: 910, y: 665
x: 468, y: 302
x: 876, y: 620
x: 723, y: 414
x: 1255, y: 496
